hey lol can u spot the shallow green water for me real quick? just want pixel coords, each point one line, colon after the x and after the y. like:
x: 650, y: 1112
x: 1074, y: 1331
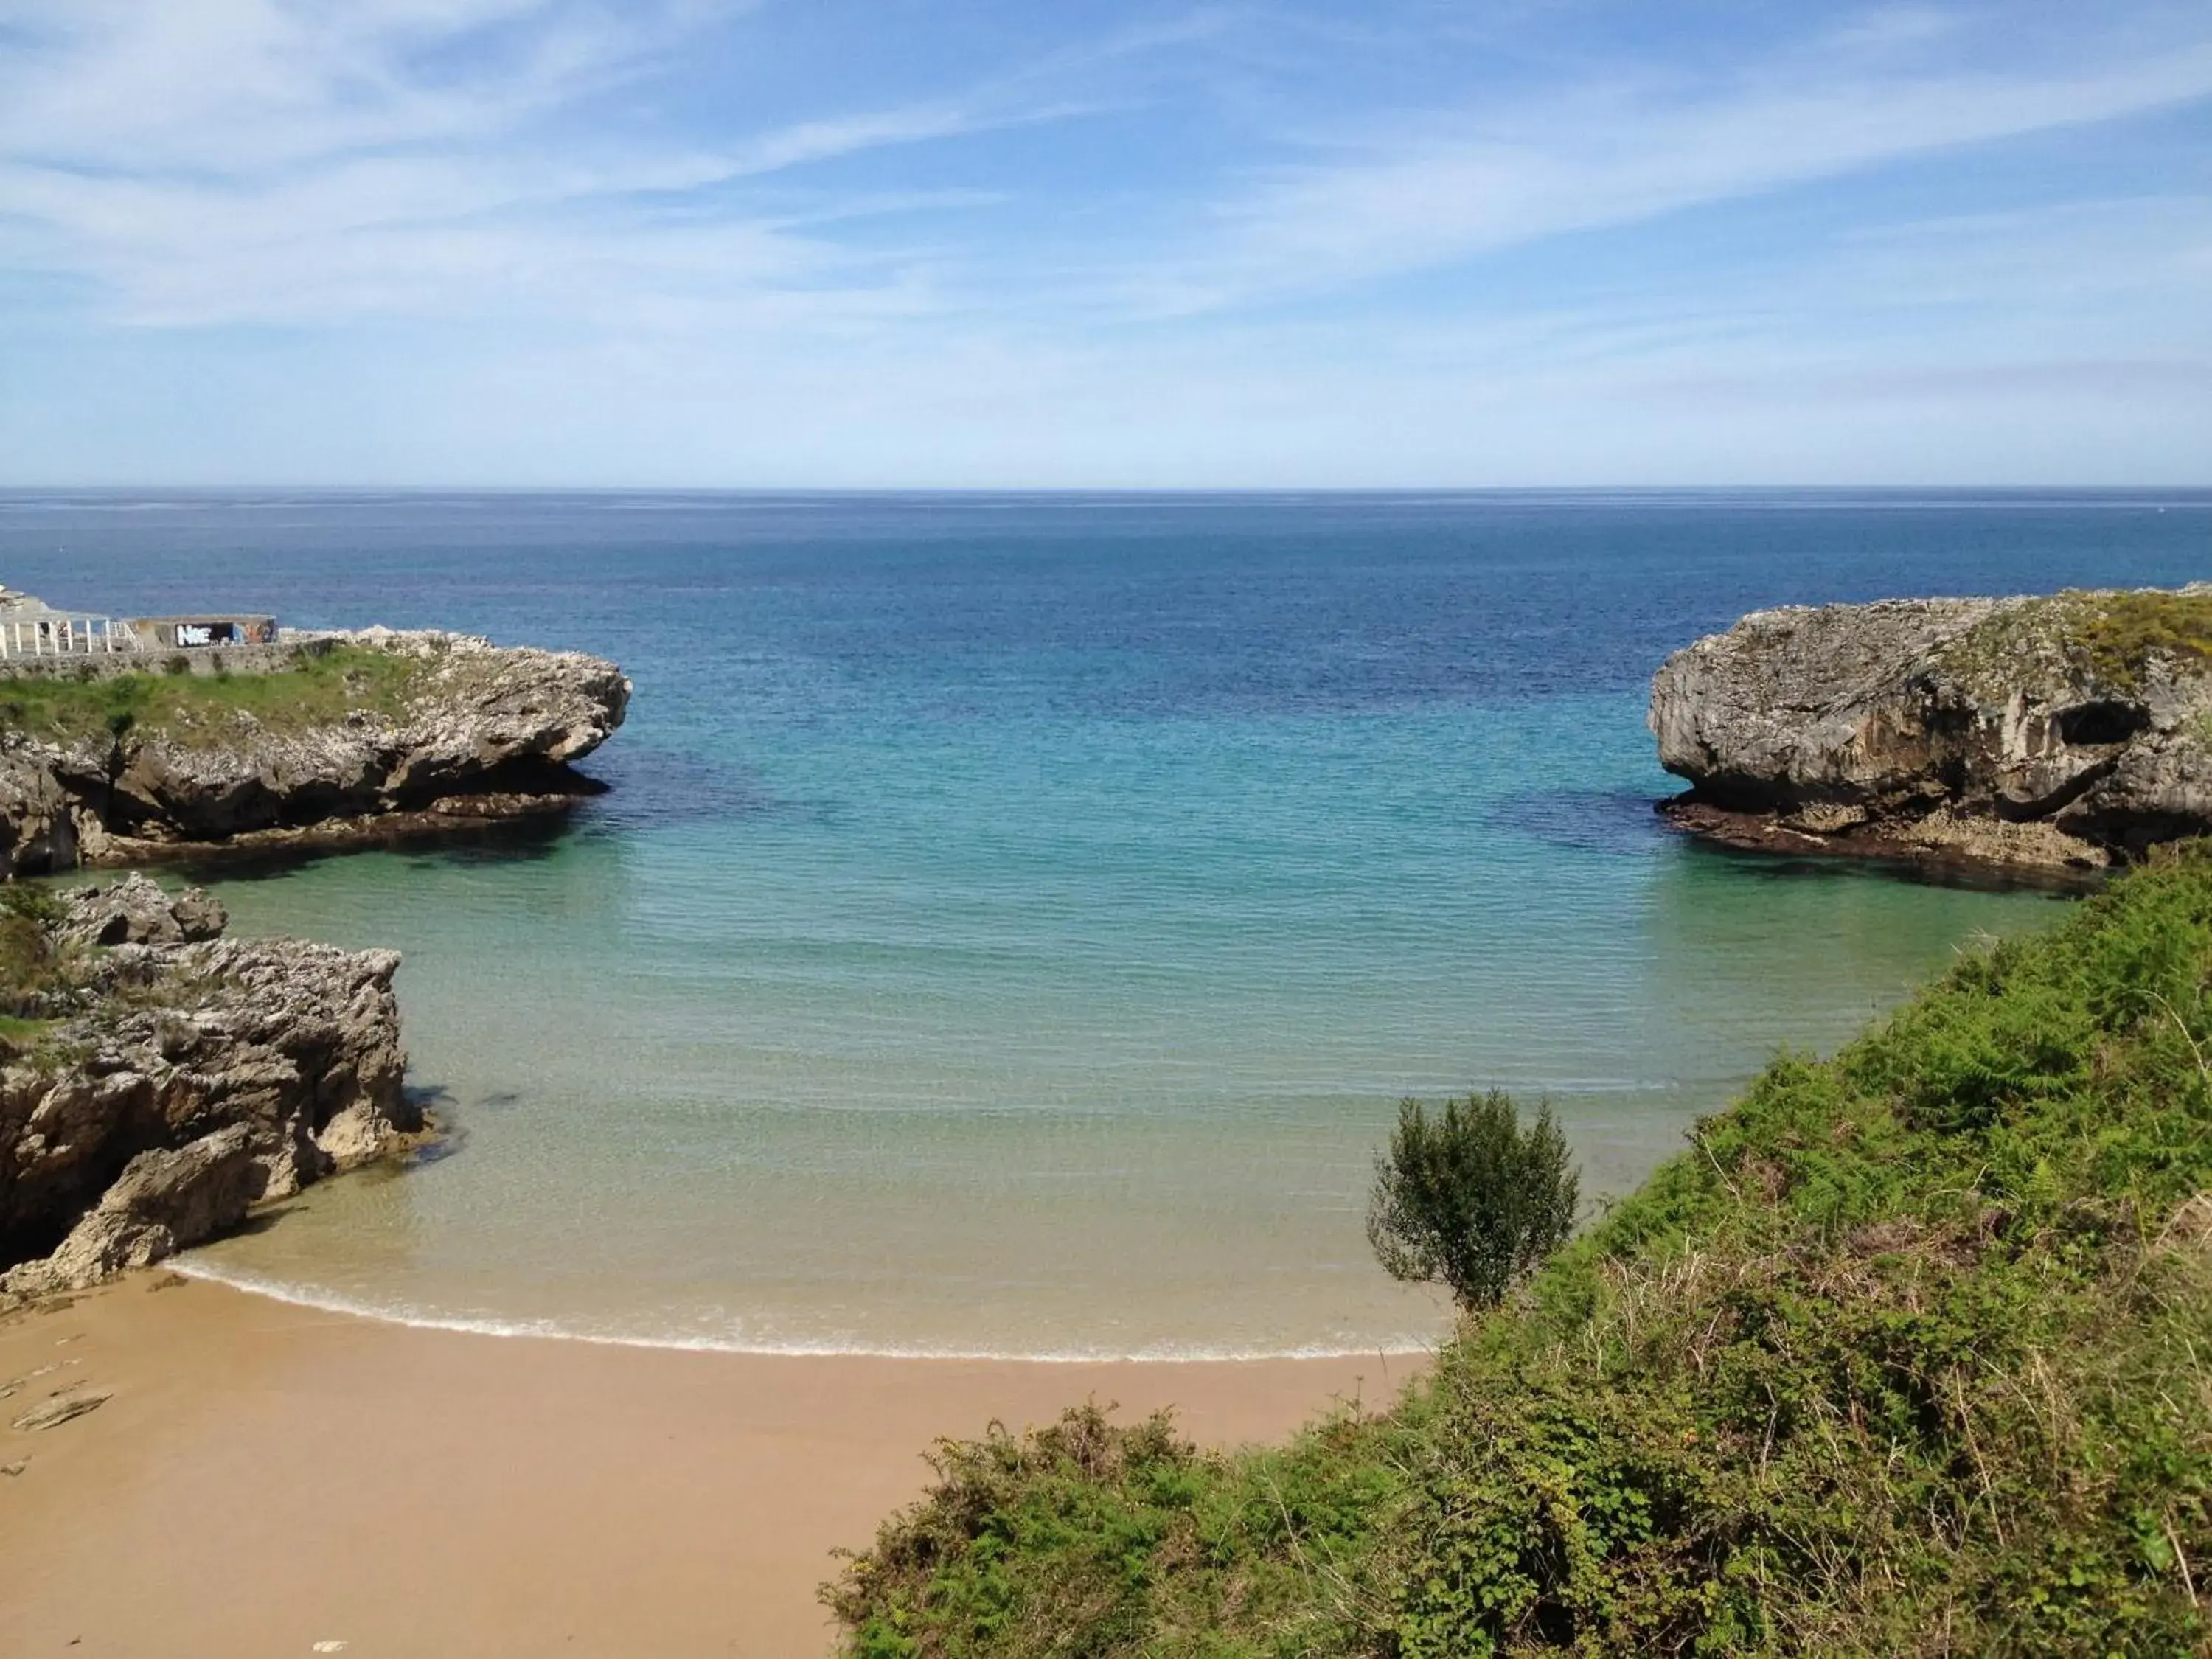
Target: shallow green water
x: 861, y: 1086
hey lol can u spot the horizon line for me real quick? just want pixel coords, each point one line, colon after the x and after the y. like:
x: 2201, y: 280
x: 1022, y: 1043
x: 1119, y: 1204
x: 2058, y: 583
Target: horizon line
x: 2203, y: 488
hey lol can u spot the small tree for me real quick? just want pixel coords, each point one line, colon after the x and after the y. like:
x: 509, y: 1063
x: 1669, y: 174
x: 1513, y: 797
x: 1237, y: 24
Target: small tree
x: 1470, y: 1199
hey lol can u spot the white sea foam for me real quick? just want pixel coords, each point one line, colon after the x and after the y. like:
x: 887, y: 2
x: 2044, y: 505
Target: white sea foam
x: 554, y: 1330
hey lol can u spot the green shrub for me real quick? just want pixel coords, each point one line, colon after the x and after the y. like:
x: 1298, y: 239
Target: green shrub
x: 32, y: 960
x: 1470, y: 1199
x: 2128, y: 629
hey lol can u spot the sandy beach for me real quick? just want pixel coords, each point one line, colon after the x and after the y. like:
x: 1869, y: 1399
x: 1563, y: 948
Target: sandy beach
x: 269, y: 1479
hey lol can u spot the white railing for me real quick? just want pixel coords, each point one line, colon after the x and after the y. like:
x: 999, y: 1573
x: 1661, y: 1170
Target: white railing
x: 65, y: 636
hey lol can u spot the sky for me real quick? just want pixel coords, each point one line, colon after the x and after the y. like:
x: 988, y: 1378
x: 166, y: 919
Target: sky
x: 1057, y: 243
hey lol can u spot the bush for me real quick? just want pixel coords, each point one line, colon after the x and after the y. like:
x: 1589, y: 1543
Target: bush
x: 1470, y: 1199
x: 31, y: 960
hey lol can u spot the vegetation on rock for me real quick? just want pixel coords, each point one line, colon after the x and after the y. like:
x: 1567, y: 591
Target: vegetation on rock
x: 36, y: 963
x: 2109, y: 637
x: 1910, y: 1353
x: 1470, y: 1199
x: 315, y: 689
x: 2124, y: 632
x: 31, y: 953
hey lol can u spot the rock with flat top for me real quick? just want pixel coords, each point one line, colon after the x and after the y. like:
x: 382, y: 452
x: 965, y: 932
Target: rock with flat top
x: 355, y: 736
x: 2072, y: 731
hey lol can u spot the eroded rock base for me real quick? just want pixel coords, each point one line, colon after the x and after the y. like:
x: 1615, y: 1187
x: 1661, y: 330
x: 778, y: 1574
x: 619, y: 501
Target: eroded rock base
x: 2032, y: 854
x: 455, y: 817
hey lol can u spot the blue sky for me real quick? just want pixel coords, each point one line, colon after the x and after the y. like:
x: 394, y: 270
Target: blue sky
x: 982, y: 243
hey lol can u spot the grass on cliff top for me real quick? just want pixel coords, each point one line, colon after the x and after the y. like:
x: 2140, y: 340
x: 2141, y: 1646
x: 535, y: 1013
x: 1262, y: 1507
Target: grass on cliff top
x: 2113, y: 637
x: 319, y: 689
x: 1910, y: 1353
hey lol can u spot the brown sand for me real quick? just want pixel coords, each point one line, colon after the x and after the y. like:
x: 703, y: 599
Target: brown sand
x: 266, y: 1477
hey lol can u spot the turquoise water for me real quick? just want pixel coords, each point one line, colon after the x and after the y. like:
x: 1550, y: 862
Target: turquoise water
x: 1015, y: 920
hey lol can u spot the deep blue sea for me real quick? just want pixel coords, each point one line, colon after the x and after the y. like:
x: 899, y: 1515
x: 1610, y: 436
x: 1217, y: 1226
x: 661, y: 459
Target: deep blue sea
x: 1015, y: 918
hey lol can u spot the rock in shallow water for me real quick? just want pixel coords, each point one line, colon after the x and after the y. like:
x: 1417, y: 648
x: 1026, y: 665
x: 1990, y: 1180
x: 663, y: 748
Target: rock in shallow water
x: 2072, y: 730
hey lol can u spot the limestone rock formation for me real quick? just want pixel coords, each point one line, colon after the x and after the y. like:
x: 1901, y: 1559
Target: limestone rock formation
x: 136, y: 911
x: 38, y: 816
x: 170, y: 1084
x: 2068, y: 731
x: 445, y: 720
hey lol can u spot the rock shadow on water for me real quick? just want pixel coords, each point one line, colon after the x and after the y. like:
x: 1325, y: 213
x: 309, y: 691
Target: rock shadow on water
x: 625, y: 793
x: 1612, y: 824
x: 450, y: 1136
x: 648, y: 788
x: 467, y: 842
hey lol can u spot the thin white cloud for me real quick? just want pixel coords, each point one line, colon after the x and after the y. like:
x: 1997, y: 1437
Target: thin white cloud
x: 261, y: 161
x: 1602, y: 156
x: 1889, y: 29
x: 247, y: 88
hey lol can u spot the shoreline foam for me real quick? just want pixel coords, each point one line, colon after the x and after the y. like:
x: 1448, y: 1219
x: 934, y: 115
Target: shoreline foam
x: 546, y: 1330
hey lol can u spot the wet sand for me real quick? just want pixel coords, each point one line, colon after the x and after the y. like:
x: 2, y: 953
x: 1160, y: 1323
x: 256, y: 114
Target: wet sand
x: 267, y: 1480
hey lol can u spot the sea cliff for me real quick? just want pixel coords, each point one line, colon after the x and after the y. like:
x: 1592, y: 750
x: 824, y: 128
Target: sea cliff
x: 158, y: 1078
x: 333, y: 739
x: 2069, y: 731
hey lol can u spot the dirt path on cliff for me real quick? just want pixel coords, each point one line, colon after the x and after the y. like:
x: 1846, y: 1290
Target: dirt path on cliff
x: 265, y: 1479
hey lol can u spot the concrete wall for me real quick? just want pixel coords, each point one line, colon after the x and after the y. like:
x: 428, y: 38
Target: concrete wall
x: 197, y: 660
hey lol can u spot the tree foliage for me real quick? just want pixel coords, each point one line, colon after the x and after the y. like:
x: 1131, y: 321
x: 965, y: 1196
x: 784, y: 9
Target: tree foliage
x: 1470, y: 1199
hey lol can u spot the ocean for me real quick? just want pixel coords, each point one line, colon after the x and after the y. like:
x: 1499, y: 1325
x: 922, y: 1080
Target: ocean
x: 1015, y: 918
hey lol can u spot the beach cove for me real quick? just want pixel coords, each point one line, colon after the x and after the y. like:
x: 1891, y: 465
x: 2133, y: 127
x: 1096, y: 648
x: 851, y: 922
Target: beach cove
x: 1013, y: 919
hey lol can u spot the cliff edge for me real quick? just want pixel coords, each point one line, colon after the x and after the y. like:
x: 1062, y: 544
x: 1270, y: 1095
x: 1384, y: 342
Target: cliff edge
x: 157, y: 1079
x: 331, y: 739
x: 2072, y: 731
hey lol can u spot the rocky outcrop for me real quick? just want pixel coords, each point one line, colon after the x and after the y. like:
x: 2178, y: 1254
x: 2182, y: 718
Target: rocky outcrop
x: 171, y: 1080
x: 2069, y: 732
x: 356, y: 735
x: 134, y: 911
